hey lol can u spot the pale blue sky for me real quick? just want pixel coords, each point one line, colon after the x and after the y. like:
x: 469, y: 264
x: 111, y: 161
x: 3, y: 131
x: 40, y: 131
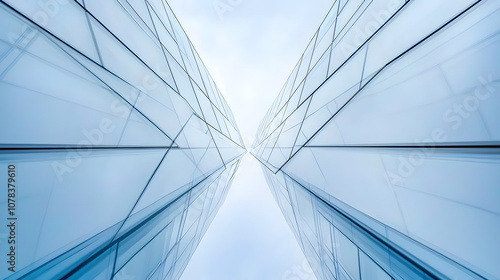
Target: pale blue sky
x: 250, y: 48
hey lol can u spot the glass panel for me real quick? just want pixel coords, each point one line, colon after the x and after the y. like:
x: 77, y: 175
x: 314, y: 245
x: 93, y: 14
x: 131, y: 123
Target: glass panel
x: 370, y: 270
x: 347, y: 255
x: 441, y: 92
x: 402, y: 33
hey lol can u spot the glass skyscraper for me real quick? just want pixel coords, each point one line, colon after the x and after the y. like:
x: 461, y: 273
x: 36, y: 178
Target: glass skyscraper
x: 382, y: 148
x: 116, y: 146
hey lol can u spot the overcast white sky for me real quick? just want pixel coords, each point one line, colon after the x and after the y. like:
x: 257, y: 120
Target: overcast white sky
x: 249, y: 47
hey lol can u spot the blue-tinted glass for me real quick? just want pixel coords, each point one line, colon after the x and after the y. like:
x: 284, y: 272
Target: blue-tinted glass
x: 398, y: 147
x: 110, y: 161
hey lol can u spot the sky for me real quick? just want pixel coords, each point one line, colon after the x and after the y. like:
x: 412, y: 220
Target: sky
x: 249, y: 48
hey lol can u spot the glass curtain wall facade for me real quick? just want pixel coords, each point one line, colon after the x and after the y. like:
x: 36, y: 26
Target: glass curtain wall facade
x: 116, y: 146
x: 382, y: 148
